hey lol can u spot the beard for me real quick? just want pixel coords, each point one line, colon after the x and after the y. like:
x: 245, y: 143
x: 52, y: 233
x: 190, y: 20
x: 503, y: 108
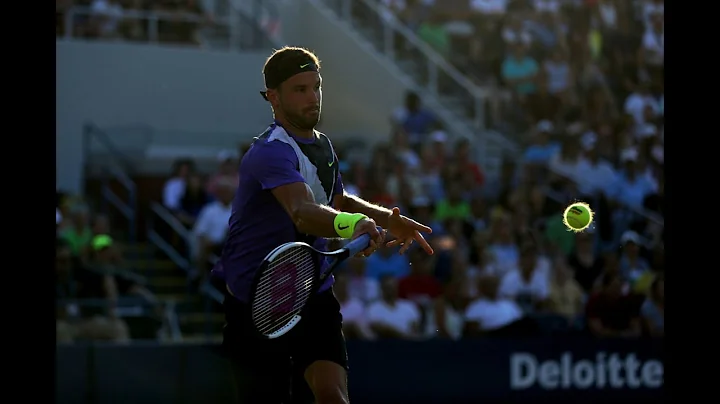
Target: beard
x: 304, y: 120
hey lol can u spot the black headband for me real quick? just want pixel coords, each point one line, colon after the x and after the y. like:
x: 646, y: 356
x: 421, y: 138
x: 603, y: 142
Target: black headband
x: 274, y: 78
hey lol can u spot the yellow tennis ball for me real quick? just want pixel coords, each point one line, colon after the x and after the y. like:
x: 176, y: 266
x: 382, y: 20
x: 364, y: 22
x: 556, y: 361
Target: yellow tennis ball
x: 578, y: 216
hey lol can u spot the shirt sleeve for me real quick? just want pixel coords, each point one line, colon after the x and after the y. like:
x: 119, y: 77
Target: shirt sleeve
x: 273, y: 164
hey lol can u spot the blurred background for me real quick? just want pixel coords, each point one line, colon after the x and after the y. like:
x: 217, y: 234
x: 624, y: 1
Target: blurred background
x: 482, y: 118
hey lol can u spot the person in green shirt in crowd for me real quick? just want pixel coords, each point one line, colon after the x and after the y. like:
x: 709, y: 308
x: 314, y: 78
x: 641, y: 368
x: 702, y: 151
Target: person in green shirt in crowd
x: 78, y: 233
x: 434, y: 34
x: 558, y: 234
x: 453, y: 206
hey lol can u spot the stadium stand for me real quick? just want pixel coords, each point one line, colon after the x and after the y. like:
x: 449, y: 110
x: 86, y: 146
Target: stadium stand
x: 577, y: 85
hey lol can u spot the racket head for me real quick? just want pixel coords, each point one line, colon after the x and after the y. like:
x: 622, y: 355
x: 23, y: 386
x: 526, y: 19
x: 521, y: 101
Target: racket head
x: 287, y: 278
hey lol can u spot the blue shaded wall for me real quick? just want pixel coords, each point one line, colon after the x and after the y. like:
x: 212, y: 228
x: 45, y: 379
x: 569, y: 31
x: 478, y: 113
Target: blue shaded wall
x: 559, y: 370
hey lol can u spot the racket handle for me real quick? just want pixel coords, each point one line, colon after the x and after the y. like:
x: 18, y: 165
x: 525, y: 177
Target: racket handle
x: 359, y: 244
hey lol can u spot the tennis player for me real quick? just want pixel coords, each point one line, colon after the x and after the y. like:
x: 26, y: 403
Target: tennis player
x: 290, y: 189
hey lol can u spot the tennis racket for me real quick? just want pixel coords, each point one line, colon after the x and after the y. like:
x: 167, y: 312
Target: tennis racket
x: 288, y: 278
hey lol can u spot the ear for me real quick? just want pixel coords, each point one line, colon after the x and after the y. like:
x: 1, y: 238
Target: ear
x: 272, y: 96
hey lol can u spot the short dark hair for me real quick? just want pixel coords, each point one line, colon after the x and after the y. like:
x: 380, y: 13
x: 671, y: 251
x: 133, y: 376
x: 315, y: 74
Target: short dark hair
x: 608, y: 278
x: 287, y: 55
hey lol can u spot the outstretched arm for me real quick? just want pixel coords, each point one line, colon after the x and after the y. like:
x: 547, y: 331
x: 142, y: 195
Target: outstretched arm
x: 405, y: 230
x: 352, y: 204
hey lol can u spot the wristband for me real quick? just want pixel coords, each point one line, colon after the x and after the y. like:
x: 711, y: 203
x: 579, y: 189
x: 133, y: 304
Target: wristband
x: 345, y: 223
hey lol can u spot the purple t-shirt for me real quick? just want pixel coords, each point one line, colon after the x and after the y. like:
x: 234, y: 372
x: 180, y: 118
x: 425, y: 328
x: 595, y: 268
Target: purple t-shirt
x: 258, y: 222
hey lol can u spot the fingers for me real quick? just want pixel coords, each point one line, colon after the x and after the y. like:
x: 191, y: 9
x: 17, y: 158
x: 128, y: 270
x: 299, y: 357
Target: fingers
x: 373, y: 232
x: 423, y: 243
x: 394, y: 243
x: 372, y: 247
x: 420, y: 227
x: 406, y: 245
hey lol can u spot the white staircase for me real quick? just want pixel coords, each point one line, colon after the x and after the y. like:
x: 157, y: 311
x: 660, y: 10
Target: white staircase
x: 459, y: 103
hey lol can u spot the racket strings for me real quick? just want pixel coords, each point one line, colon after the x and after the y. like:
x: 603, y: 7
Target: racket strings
x: 283, y: 289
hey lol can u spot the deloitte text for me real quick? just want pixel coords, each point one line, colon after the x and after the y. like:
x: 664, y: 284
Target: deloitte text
x: 606, y: 371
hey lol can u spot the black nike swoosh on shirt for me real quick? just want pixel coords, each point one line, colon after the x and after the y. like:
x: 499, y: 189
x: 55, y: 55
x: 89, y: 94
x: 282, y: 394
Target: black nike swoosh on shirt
x: 342, y: 228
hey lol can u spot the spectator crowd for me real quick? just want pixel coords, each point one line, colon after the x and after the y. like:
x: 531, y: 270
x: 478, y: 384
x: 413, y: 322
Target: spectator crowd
x: 585, y: 79
x: 178, y: 21
x: 93, y: 280
x: 505, y: 263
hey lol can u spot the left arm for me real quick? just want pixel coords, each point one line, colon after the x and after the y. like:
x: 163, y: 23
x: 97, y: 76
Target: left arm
x: 352, y: 204
x: 405, y: 230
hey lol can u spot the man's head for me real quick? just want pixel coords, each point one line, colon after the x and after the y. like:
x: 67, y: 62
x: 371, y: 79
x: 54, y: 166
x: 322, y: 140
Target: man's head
x: 293, y: 82
x: 612, y: 285
x: 488, y: 286
x: 462, y: 150
x: 228, y: 162
x: 630, y: 241
x: 454, y: 192
x: 518, y: 51
x: 225, y: 190
x: 63, y: 257
x: 388, y: 286
x: 528, y: 259
x: 412, y: 101
x: 80, y: 215
x: 102, y: 247
x: 420, y: 263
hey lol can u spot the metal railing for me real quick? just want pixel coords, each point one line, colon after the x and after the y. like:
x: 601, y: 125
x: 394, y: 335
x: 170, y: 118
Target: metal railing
x: 113, y: 167
x: 463, y: 88
x: 131, y: 307
x: 435, y: 62
x: 235, y: 22
x: 157, y: 211
x: 173, y: 223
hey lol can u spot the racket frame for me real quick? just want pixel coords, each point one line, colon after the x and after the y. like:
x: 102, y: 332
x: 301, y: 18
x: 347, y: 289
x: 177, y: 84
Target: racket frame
x: 337, y: 256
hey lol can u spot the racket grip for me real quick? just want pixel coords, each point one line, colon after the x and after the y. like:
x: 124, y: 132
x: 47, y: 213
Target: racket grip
x: 359, y: 244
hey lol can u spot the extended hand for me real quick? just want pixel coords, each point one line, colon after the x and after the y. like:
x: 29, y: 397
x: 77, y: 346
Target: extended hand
x: 377, y: 238
x: 406, y: 231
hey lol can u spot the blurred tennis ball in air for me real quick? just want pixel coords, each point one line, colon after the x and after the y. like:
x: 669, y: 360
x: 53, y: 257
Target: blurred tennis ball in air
x: 578, y: 216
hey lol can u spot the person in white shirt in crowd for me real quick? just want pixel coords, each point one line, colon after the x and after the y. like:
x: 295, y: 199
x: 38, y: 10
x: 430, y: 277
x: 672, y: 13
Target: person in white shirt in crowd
x: 174, y: 188
x: 445, y: 320
x: 597, y: 175
x: 355, y: 324
x: 493, y: 315
x: 106, y: 17
x: 515, y: 33
x: 360, y: 286
x: 638, y: 101
x: 558, y: 74
x: 632, y: 265
x: 652, y: 9
x: 502, y: 245
x: 547, y: 6
x: 402, y: 150
x: 489, y: 7
x: 391, y: 317
x: 632, y: 185
x: 567, y: 160
x: 607, y: 15
x: 528, y: 284
x: 212, y: 224
x: 228, y: 168
x: 414, y: 119
x: 653, y: 43
x: 403, y: 176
